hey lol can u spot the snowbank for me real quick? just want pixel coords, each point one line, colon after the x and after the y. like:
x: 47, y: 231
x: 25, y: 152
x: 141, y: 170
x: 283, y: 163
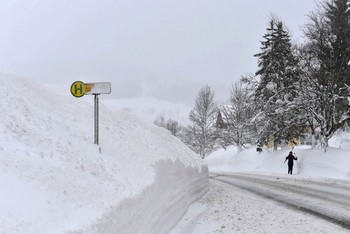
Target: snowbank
x: 54, y: 180
x: 341, y: 140
x: 311, y: 162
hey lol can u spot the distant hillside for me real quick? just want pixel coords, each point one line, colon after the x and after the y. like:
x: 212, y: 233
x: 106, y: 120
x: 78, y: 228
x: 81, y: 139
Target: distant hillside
x: 149, y: 108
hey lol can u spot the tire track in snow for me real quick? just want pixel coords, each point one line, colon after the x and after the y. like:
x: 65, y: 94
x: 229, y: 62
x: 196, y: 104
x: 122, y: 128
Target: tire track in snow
x: 328, y: 202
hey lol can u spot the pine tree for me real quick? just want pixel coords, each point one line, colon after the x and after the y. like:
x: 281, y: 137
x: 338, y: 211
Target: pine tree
x: 277, y: 90
x: 337, y: 15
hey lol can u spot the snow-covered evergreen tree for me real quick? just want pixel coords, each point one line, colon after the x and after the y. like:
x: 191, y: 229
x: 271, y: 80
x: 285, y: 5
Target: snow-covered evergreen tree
x: 275, y: 96
x: 337, y: 14
x: 326, y: 72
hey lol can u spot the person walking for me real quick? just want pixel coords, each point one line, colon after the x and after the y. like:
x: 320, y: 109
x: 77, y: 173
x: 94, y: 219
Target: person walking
x: 290, y: 159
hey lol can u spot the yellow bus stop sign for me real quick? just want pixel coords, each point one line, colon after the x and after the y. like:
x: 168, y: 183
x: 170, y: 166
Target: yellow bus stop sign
x: 79, y: 89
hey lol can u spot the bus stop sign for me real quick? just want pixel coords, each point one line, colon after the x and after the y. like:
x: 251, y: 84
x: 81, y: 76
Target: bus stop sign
x: 79, y: 89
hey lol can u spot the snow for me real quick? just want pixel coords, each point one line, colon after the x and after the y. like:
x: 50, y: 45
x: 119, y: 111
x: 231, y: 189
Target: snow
x: 227, y: 209
x: 54, y: 180
x: 313, y: 162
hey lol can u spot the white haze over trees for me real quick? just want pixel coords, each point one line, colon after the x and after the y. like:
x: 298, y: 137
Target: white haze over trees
x: 163, y: 49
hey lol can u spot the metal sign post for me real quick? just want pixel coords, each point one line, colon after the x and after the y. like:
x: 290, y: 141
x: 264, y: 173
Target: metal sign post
x: 96, y: 119
x: 79, y: 89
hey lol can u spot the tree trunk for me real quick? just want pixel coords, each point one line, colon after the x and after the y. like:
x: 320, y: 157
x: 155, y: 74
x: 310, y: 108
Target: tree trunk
x: 274, y: 145
x: 313, y: 141
x: 324, y: 142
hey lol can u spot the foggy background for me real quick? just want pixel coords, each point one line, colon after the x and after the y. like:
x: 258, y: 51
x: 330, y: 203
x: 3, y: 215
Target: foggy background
x: 166, y: 49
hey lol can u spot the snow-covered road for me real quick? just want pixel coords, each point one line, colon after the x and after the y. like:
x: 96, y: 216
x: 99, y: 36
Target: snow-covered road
x: 248, y: 203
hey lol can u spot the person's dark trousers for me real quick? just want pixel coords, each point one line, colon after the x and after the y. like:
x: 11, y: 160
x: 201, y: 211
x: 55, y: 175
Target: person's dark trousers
x: 290, y: 169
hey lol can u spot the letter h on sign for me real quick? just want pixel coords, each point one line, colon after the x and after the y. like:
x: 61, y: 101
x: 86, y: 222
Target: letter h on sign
x: 76, y: 88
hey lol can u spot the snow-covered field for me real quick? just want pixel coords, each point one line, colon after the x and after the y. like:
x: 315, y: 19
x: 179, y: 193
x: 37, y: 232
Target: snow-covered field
x: 335, y: 163
x: 54, y: 180
x: 228, y: 209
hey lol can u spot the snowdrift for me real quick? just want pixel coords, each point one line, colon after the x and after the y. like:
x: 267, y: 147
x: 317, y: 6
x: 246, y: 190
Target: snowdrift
x: 54, y: 180
x: 311, y: 162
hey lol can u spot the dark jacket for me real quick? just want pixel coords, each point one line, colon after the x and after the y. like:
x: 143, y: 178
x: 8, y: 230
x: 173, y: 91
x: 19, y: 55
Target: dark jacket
x: 290, y: 158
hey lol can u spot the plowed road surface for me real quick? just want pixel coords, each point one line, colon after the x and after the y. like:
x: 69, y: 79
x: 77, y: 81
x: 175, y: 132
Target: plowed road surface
x: 252, y: 203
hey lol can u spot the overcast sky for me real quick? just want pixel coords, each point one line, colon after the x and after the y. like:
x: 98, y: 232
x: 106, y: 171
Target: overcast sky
x: 143, y: 47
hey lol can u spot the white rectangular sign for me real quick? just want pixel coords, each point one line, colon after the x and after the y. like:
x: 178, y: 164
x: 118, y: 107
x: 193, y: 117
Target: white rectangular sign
x: 99, y: 88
